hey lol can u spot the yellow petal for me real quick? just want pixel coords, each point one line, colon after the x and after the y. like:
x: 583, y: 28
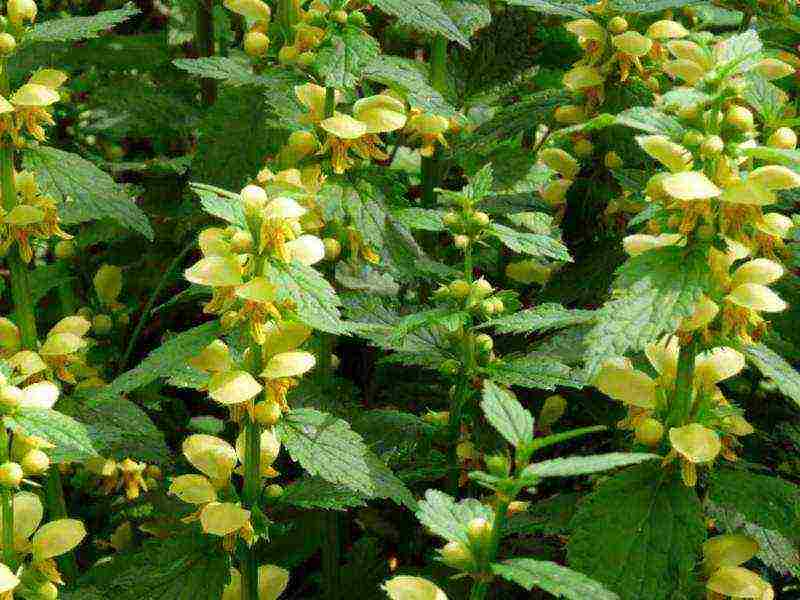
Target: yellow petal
x: 307, y: 249
x: 684, y: 50
x: 194, y: 489
x: 691, y: 185
x: 74, y: 324
x: 729, y: 550
x: 687, y: 70
x: 663, y: 356
x: 9, y: 335
x: 252, y: 9
x: 258, y: 289
x: 582, y: 77
x: 28, y: 514
x: 34, y: 95
x: 27, y: 363
x: 282, y: 337
x: 233, y: 591
x: 222, y: 518
x: 428, y: 124
x: 406, y: 587
x: 775, y: 224
x: 24, y: 214
x: 233, y: 387
x: 216, y: 271
x: 51, y: 78
x: 632, y: 43
x: 270, y: 447
x: 640, y: 242
x: 344, y: 127
x: 8, y: 581
x: 289, y: 364
x: 758, y: 270
x: 621, y: 382
x: 772, y: 68
x: 62, y: 344
x: 704, y: 313
x: 673, y: 156
x: 272, y: 582
x: 42, y: 394
x: 775, y: 177
x: 56, y: 538
x: 284, y: 207
x: 108, y: 283
x: 695, y: 443
x: 717, y: 364
x: 213, y: 242
x: 666, y: 29
x: 560, y: 161
x: 210, y: 455
x: 587, y: 28
x: 380, y: 113
x: 738, y: 582
x: 214, y: 358
x: 5, y: 106
x: 756, y: 297
x: 748, y: 192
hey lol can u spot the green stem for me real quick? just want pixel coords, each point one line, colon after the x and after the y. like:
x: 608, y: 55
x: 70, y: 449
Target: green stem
x: 7, y: 508
x: 250, y: 494
x: 288, y: 15
x: 481, y: 586
x: 429, y: 173
x: 331, y: 550
x: 439, y: 64
x: 148, y: 308
x: 57, y: 509
x: 681, y: 405
x: 330, y: 102
x: 205, y: 46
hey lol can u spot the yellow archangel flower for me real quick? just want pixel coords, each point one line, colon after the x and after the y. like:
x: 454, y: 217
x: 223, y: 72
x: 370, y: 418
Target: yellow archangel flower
x: 28, y: 106
x: 63, y: 345
x: 592, y: 37
x: 281, y: 372
x: 722, y: 557
x: 44, y: 542
x: 312, y: 97
x: 272, y: 582
x: 407, y: 587
x: 429, y: 129
x: 223, y: 273
x: 631, y: 47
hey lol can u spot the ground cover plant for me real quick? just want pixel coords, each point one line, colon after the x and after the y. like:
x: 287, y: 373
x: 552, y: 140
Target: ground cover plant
x: 417, y: 299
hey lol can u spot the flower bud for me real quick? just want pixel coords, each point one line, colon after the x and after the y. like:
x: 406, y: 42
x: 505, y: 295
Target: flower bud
x: 307, y: 58
x: 617, y: 25
x: 303, y: 143
x: 783, y: 138
x: 153, y: 472
x: 7, y: 44
x: 481, y: 219
x: 484, y: 343
x: 482, y: 288
x: 47, y: 591
x: 583, y: 147
x: 457, y: 556
x: 461, y: 241
x: 19, y: 11
x: 10, y: 397
x: 241, y: 242
x: 288, y: 55
x: 102, y: 324
x: 498, y: 465
x: 553, y: 409
x: 85, y: 312
x: 256, y: 44
x: 274, y: 491
x: 332, y: 248
x: 437, y: 418
x: 335, y: 362
x: 612, y: 160
x: 649, y: 432
x: 64, y: 249
x: 357, y: 18
x: 254, y: 199
x: 772, y: 68
x: 35, y: 462
x: 450, y: 219
x: 570, y: 114
x: 449, y: 367
x: 11, y: 474
x: 739, y: 117
x: 340, y: 16
x: 712, y: 146
x: 465, y: 451
x: 267, y: 413
x: 459, y: 289
x: 479, y: 532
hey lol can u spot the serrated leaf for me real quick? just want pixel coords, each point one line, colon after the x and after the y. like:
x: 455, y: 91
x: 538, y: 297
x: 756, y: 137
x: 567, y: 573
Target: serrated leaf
x: 470, y: 16
x: 572, y: 466
x: 71, y: 29
x: 315, y: 492
x: 447, y: 518
x: 532, y: 371
x: 425, y: 219
x: 532, y: 244
x: 652, y: 120
x: 84, y: 192
x: 773, y: 366
x: 639, y: 534
x: 442, y: 317
x: 316, y: 302
x: 769, y: 502
x: 342, y: 59
x: 166, y: 360
x: 774, y: 155
x: 365, y: 278
x: 765, y: 97
x: 506, y: 415
x: 187, y: 565
x: 72, y: 441
x: 45, y: 278
x: 223, y: 68
x: 655, y: 289
x: 648, y: 6
x: 221, y: 204
x: 559, y: 581
x: 412, y: 79
x: 542, y: 318
x: 683, y: 98
x: 738, y: 53
x: 119, y: 429
x: 563, y: 8
x: 423, y: 15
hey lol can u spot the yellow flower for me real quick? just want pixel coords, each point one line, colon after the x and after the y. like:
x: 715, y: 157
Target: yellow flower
x: 428, y: 128
x: 343, y: 134
x: 312, y: 96
x: 272, y: 582
x: 406, y: 587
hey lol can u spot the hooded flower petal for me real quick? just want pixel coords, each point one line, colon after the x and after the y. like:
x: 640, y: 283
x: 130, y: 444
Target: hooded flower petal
x: 216, y: 271
x: 738, y: 582
x: 194, y: 489
x: 210, y: 455
x: 695, y: 443
x: 560, y: 161
x: 75, y: 325
x: 673, y: 156
x: 756, y: 297
x: 775, y: 224
x: 406, y: 587
x: 705, y: 311
x: 214, y: 358
x: 233, y: 387
x: 56, y: 538
x: 666, y: 29
x: 272, y: 581
x: 222, y: 518
x: 748, y: 192
x: 289, y: 364
x: 258, y: 289
x: 632, y: 43
x: 307, y: 249
x: 42, y: 394
x: 729, y: 550
x: 718, y: 364
x: 34, y: 95
x: 663, y: 355
x: 344, y: 127
x: 284, y: 207
x: 690, y: 185
x: 624, y: 383
x: 582, y: 77
x: 381, y: 113
x: 270, y: 447
x: 775, y: 177
x: 8, y: 581
x: 641, y: 242
x: 758, y: 270
x: 252, y: 9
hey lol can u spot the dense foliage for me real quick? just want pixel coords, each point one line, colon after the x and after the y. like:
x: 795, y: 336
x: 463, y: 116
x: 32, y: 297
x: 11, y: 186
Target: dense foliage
x: 423, y: 299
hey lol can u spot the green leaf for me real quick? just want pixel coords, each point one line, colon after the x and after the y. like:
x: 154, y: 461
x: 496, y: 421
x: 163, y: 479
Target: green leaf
x: 423, y: 15
x: 220, y: 203
x: 448, y: 519
x: 45, y: 278
x: 648, y: 6
x: 85, y: 192
x: 365, y: 278
x: 738, y: 53
x: 563, y: 8
x: 532, y: 244
x: 773, y: 366
x: 442, y: 317
x: 341, y: 61
x: 166, y: 360
x: 506, y: 415
x: 572, y: 466
x: 425, y: 219
x: 639, y: 534
x: 651, y: 120
x: 542, y: 318
x: 222, y: 68
x: 316, y: 302
x: 187, y: 565
x: 315, y: 492
x: 765, y: 97
x: 559, y: 581
x: 470, y: 16
x: 71, y: 29
x: 72, y: 441
x: 532, y: 371
x: 412, y: 79
x: 774, y: 155
x: 654, y: 290
x: 769, y: 502
x: 683, y: 98
x: 119, y: 429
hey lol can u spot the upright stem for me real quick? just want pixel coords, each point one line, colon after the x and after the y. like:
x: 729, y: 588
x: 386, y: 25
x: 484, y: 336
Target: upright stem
x: 431, y: 169
x: 481, y: 586
x: 288, y: 15
x: 57, y: 509
x: 205, y: 46
x: 250, y: 494
x: 681, y: 405
x: 330, y: 102
x: 7, y: 508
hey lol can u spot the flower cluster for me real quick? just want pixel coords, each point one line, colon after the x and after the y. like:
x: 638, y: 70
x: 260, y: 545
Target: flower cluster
x: 27, y: 109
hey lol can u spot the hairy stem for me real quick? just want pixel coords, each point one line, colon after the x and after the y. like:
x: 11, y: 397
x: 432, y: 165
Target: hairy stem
x: 205, y: 47
x: 57, y: 509
x: 439, y: 63
x: 250, y: 494
x: 431, y: 167
x: 330, y: 102
x: 288, y: 15
x: 681, y: 405
x: 481, y: 586
x: 7, y: 508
